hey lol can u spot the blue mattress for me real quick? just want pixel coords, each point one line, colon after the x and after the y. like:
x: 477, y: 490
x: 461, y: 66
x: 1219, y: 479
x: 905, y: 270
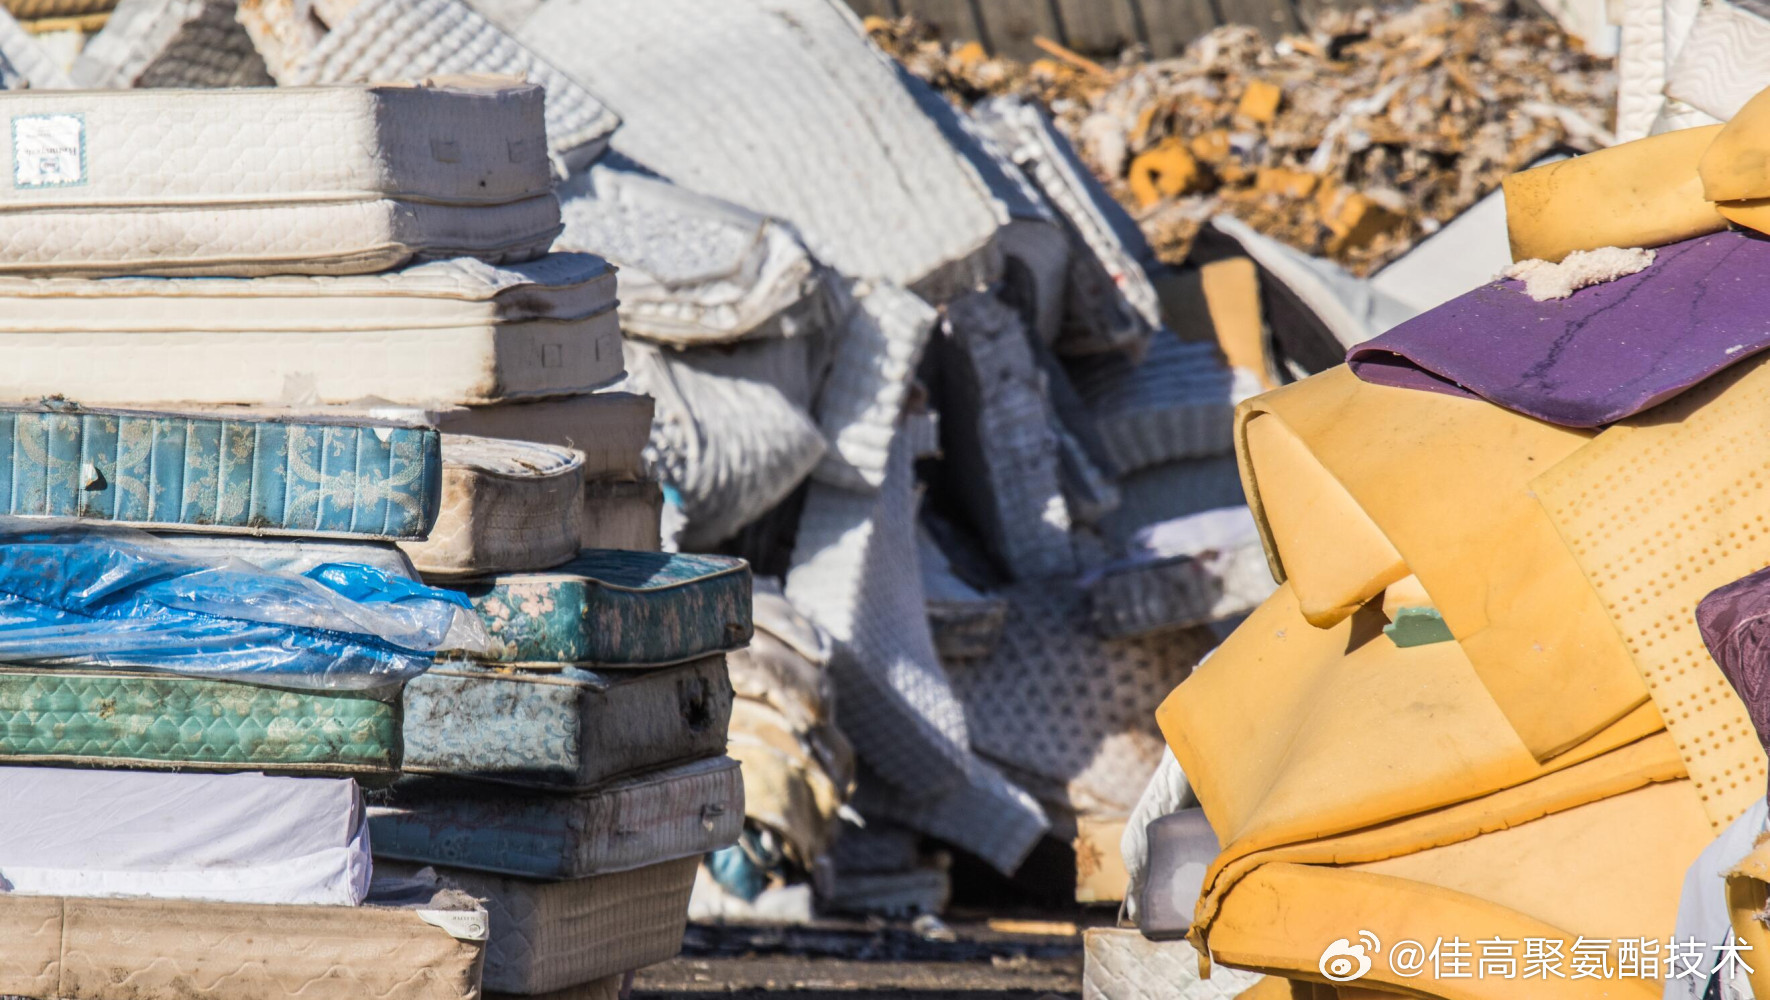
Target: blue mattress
x: 678, y: 812
x: 566, y: 728
x: 346, y: 478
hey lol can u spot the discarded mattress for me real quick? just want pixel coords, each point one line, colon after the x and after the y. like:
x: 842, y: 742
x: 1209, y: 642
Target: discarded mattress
x: 1177, y: 403
x: 1190, y: 571
x: 711, y: 91
x: 24, y: 62
x: 609, y: 428
x: 731, y: 445
x: 232, y: 838
x: 860, y: 406
x: 1605, y: 353
x: 1121, y: 964
x: 413, y: 942
x: 1111, y: 304
x: 694, y: 270
x: 679, y: 812
x: 421, y: 40
x: 983, y: 813
x: 457, y: 331
x: 362, y: 478
x: 295, y: 556
x: 965, y: 623
x: 997, y: 426
x: 375, y: 184
x: 621, y: 515
x: 795, y: 782
x: 1170, y: 491
x: 506, y: 506
x: 1081, y: 746
x: 1712, y: 70
x: 87, y: 716
x: 565, y: 728
x: 1167, y: 793
x: 170, y: 43
x: 617, y: 609
x: 547, y: 936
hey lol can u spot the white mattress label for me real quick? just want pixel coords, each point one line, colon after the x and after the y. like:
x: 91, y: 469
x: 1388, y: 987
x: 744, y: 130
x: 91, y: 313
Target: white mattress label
x: 48, y: 151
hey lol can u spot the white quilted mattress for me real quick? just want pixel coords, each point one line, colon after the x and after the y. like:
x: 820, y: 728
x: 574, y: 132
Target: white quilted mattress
x: 458, y: 331
x: 346, y: 180
x: 507, y: 507
x: 609, y: 428
x: 1122, y: 964
x: 547, y: 936
x: 712, y: 93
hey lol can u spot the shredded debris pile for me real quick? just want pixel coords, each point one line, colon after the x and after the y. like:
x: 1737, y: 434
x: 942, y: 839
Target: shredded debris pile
x: 1352, y: 142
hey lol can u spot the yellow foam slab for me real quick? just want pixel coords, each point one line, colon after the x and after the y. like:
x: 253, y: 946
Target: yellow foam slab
x: 1446, y: 481
x: 1644, y: 193
x: 1610, y: 869
x: 1747, y: 898
x: 1754, y: 214
x: 1290, y: 733
x: 1406, y: 593
x: 1660, y: 510
x: 1736, y: 165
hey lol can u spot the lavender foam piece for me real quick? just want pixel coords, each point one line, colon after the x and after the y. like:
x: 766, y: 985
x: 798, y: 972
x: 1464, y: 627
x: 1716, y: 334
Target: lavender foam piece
x: 1606, y: 352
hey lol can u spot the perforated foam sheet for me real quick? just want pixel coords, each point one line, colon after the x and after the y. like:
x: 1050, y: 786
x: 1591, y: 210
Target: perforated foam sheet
x: 1659, y: 511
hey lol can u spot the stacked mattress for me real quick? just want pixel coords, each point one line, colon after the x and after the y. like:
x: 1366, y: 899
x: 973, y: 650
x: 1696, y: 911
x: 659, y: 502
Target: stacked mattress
x: 572, y: 773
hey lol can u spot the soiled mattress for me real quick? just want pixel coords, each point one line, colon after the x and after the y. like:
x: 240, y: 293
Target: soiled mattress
x: 506, y: 506
x: 334, y: 180
x: 453, y: 332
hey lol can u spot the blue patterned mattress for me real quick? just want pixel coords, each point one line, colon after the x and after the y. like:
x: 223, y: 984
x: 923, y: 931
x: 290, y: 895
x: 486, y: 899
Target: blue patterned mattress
x: 308, y: 476
x: 677, y: 812
x: 615, y: 608
x: 566, y: 728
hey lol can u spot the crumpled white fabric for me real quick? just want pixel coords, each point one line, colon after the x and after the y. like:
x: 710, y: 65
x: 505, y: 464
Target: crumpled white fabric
x: 1167, y: 793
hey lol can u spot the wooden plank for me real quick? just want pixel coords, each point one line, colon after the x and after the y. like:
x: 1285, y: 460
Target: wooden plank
x: 1173, y: 24
x: 1011, y: 25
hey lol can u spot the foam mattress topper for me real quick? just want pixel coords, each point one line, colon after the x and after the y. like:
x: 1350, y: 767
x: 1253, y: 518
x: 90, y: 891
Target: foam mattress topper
x: 243, y: 838
x: 331, y: 180
x: 1604, y: 353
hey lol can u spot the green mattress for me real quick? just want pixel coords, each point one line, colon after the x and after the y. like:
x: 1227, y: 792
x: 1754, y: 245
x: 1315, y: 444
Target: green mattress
x: 614, y: 608
x: 123, y: 718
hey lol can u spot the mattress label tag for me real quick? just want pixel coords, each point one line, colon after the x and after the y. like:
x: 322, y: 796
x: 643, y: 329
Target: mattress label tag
x: 48, y: 151
x: 462, y: 925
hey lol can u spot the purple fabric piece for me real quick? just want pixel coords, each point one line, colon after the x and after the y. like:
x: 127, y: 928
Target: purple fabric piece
x: 1604, y: 353
x: 1735, y: 624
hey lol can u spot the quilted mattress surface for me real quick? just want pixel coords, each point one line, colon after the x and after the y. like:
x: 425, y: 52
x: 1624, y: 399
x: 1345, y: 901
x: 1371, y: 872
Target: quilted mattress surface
x: 618, y: 609
x: 366, y: 478
x: 344, y: 180
x: 566, y: 728
x: 548, y: 936
x: 91, y: 716
x: 506, y: 505
x: 458, y: 331
x: 679, y: 812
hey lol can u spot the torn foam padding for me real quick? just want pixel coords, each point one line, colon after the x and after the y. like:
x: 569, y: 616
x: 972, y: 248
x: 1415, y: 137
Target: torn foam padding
x: 1659, y: 511
x: 169, y: 43
x: 1112, y: 305
x: 731, y: 447
x: 694, y: 269
x: 1166, y: 793
x: 1177, y: 403
x: 507, y: 506
x: 24, y: 62
x: 418, y: 39
x: 985, y: 813
x: 1002, y: 456
x: 1403, y: 482
x: 1598, y: 357
x: 783, y: 106
x: 1169, y: 491
x: 1545, y: 282
x: 855, y: 573
x: 966, y: 624
x: 860, y: 406
x: 1054, y: 701
x: 1190, y: 571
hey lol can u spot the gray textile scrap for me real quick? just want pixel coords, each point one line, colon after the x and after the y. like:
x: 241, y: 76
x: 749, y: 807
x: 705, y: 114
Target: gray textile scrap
x: 985, y: 814
x: 731, y: 433
x: 1193, y: 570
x: 1167, y: 793
x: 1178, y: 402
x: 1113, y: 306
x: 997, y: 431
x: 785, y: 107
x: 874, y: 363
x: 171, y: 43
x: 1071, y: 714
x: 24, y: 62
x: 694, y: 269
x: 379, y: 40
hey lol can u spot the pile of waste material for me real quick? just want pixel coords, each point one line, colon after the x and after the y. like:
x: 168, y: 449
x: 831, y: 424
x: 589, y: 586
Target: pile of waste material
x: 1351, y: 142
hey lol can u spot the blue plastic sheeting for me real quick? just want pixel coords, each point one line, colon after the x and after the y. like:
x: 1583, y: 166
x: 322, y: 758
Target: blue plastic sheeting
x: 111, y: 597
